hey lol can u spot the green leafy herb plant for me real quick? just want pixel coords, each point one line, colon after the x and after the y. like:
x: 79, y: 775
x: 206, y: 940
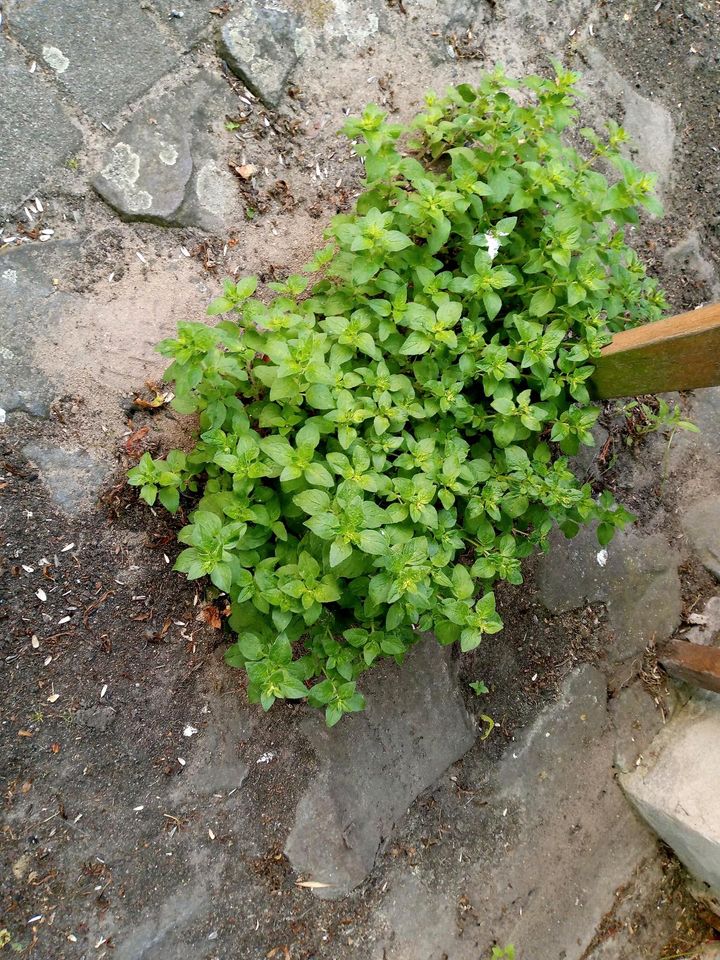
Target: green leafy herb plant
x: 385, y: 435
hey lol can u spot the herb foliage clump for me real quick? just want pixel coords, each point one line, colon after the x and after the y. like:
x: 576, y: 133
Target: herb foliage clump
x: 387, y: 435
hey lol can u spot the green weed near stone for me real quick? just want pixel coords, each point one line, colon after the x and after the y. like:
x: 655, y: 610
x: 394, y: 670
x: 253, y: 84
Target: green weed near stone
x: 506, y: 953
x: 386, y: 434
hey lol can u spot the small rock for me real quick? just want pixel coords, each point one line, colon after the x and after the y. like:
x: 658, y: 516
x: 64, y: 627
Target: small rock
x: 147, y: 170
x: 31, y: 111
x: 31, y: 311
x: 105, y: 54
x: 707, y: 631
x: 97, y: 718
x: 258, y: 44
x: 701, y: 523
x: 163, y: 165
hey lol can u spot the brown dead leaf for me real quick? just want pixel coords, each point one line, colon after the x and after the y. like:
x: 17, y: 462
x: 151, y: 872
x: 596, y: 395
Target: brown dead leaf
x: 55, y: 747
x: 246, y: 171
x: 311, y: 884
x: 156, y: 398
x: 24, y: 733
x: 133, y: 443
x: 211, y: 616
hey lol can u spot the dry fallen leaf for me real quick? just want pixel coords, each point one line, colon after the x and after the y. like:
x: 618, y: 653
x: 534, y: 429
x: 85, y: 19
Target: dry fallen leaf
x: 311, y: 884
x: 24, y: 733
x: 55, y: 747
x: 211, y: 616
x: 246, y: 171
x: 132, y: 444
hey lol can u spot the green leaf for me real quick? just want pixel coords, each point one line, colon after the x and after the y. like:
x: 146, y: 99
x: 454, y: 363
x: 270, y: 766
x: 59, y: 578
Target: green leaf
x: 148, y: 493
x: 463, y: 584
x: 221, y: 576
x: 325, y: 525
x: 575, y: 293
x: 392, y: 646
x: 312, y: 501
x: 278, y: 449
x: 220, y: 305
x: 293, y: 689
x: 245, y: 288
x: 447, y: 632
x: 250, y: 647
x: 339, y: 551
x: 416, y: 343
x: 469, y: 639
x: 169, y: 497
x: 542, y: 303
x: 333, y: 712
x: 373, y: 542
x: 317, y: 474
x: 493, y: 304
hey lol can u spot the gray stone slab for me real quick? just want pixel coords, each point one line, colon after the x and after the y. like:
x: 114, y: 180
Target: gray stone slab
x: 676, y: 788
x: 258, y: 44
x: 637, y: 720
x: 701, y: 524
x: 73, y: 476
x: 105, y: 54
x: 165, y: 165
x: 196, y: 21
x: 214, y: 765
x: 373, y: 765
x: 705, y: 414
x: 560, y: 840
x: 30, y: 307
x: 688, y: 260
x: 147, y: 169
x: 36, y: 132
x: 635, y: 576
x: 648, y: 122
x: 97, y: 718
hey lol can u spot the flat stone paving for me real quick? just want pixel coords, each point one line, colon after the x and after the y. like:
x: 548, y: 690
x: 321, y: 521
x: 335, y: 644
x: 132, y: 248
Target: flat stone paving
x: 163, y: 165
x: 36, y: 129
x: 86, y: 47
x: 416, y: 726
x: 675, y: 787
x: 30, y: 306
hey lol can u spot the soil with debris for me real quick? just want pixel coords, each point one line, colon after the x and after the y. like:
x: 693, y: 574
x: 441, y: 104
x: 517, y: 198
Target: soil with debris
x: 147, y: 807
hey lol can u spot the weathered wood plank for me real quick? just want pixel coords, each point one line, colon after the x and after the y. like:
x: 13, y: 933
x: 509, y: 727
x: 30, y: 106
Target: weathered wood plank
x: 678, y: 353
x: 693, y: 663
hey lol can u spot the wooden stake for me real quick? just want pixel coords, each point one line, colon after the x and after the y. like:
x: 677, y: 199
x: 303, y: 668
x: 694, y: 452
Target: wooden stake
x: 678, y: 353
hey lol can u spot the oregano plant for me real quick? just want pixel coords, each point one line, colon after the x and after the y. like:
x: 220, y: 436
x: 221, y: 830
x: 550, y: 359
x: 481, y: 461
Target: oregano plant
x: 385, y: 435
